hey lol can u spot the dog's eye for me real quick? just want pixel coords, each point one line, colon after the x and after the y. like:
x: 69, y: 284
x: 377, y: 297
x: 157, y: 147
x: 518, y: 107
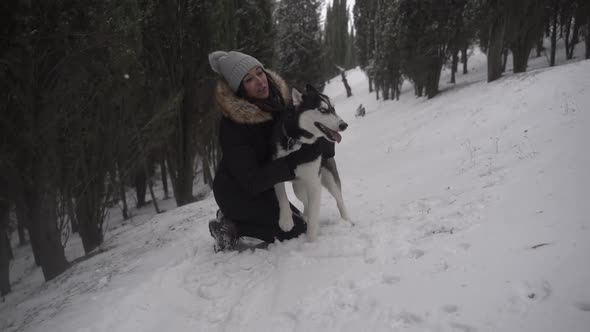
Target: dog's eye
x: 324, y: 110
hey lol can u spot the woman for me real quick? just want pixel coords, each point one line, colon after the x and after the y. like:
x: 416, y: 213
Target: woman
x: 251, y: 99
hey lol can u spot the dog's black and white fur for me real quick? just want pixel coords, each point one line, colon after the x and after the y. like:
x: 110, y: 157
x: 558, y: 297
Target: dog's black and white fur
x: 311, y: 118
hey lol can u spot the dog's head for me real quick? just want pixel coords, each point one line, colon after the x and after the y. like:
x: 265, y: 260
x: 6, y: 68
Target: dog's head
x: 317, y: 115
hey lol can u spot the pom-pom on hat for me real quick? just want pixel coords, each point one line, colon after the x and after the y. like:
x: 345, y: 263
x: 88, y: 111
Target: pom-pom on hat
x: 233, y: 66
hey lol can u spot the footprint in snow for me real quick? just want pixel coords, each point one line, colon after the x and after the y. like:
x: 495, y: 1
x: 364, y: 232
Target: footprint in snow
x: 530, y: 293
x: 465, y: 246
x: 450, y: 308
x: 584, y: 306
x: 415, y: 253
x: 391, y: 279
x: 369, y: 255
x: 408, y: 318
x: 462, y: 327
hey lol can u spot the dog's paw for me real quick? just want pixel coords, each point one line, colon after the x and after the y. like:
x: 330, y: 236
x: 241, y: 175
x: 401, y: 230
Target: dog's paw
x: 348, y: 221
x: 286, y: 223
x: 312, y: 231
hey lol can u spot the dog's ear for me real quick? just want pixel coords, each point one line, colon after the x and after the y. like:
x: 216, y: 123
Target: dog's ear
x: 296, y: 97
x: 310, y: 88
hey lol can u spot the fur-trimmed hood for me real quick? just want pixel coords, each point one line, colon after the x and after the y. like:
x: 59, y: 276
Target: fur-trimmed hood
x: 240, y: 110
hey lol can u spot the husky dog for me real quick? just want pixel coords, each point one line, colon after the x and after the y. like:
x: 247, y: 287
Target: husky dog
x: 311, y: 118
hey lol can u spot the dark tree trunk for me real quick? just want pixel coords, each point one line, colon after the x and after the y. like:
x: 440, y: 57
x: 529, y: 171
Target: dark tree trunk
x: 184, y: 185
x: 5, y: 226
x: 433, y: 77
x: 23, y: 216
x: 505, y: 59
x: 553, y: 36
x: 164, y: 174
x: 568, y: 28
x: 73, y: 219
x: 540, y: 47
x: 153, y: 196
x: 183, y: 152
x: 5, y: 249
x: 418, y: 89
x: 520, y: 57
x: 587, y: 39
x: 45, y: 236
x: 172, y: 174
x: 370, y: 85
x: 150, y: 182
x: 22, y: 239
x: 454, y: 65
x: 573, y: 41
x: 345, y: 82
x: 511, y: 29
x: 140, y: 185
x: 207, y: 176
x: 122, y: 194
x: 464, y: 59
x: 89, y: 215
x: 561, y: 30
x: 495, y: 48
x: 376, y: 91
x: 52, y: 252
x: 527, y: 36
x: 118, y: 177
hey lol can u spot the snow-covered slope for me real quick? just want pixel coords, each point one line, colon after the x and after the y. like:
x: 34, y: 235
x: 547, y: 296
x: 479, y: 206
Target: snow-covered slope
x: 471, y: 214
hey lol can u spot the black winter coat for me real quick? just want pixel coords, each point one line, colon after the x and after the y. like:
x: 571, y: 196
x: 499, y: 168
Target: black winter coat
x: 243, y: 184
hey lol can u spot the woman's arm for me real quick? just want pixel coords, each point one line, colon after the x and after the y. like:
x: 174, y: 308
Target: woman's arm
x: 240, y: 159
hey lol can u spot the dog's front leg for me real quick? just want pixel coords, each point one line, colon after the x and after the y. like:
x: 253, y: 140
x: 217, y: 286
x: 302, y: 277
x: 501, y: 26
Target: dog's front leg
x: 285, y: 217
x: 312, y: 209
x: 329, y: 182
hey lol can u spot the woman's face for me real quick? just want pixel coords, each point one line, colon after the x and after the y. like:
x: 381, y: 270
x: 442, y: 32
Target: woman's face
x: 256, y: 84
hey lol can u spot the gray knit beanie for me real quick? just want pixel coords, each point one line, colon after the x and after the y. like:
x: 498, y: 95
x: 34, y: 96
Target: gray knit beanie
x: 233, y: 66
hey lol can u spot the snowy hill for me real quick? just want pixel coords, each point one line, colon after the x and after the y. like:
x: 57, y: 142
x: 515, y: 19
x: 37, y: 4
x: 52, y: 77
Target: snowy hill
x: 471, y: 214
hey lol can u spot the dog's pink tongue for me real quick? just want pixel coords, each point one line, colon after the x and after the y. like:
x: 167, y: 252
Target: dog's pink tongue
x: 337, y: 136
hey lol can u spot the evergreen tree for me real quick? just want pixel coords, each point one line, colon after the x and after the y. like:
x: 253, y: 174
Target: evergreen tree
x: 255, y: 29
x: 522, y: 34
x: 505, y: 28
x: 574, y: 16
x: 425, y: 30
x: 388, y: 73
x: 364, y: 21
x: 337, y: 37
x: 40, y: 42
x: 350, y: 60
x: 299, y: 42
x: 177, y: 37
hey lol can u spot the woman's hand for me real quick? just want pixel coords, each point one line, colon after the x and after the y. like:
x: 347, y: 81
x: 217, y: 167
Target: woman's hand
x: 307, y: 153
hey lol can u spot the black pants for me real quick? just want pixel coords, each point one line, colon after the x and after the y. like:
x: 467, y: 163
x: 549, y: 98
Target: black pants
x: 267, y: 229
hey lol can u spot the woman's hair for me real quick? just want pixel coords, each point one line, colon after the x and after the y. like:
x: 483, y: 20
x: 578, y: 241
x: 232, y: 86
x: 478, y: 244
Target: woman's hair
x: 273, y: 89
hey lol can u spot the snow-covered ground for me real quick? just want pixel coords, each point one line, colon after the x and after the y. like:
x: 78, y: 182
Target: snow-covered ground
x: 471, y: 214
